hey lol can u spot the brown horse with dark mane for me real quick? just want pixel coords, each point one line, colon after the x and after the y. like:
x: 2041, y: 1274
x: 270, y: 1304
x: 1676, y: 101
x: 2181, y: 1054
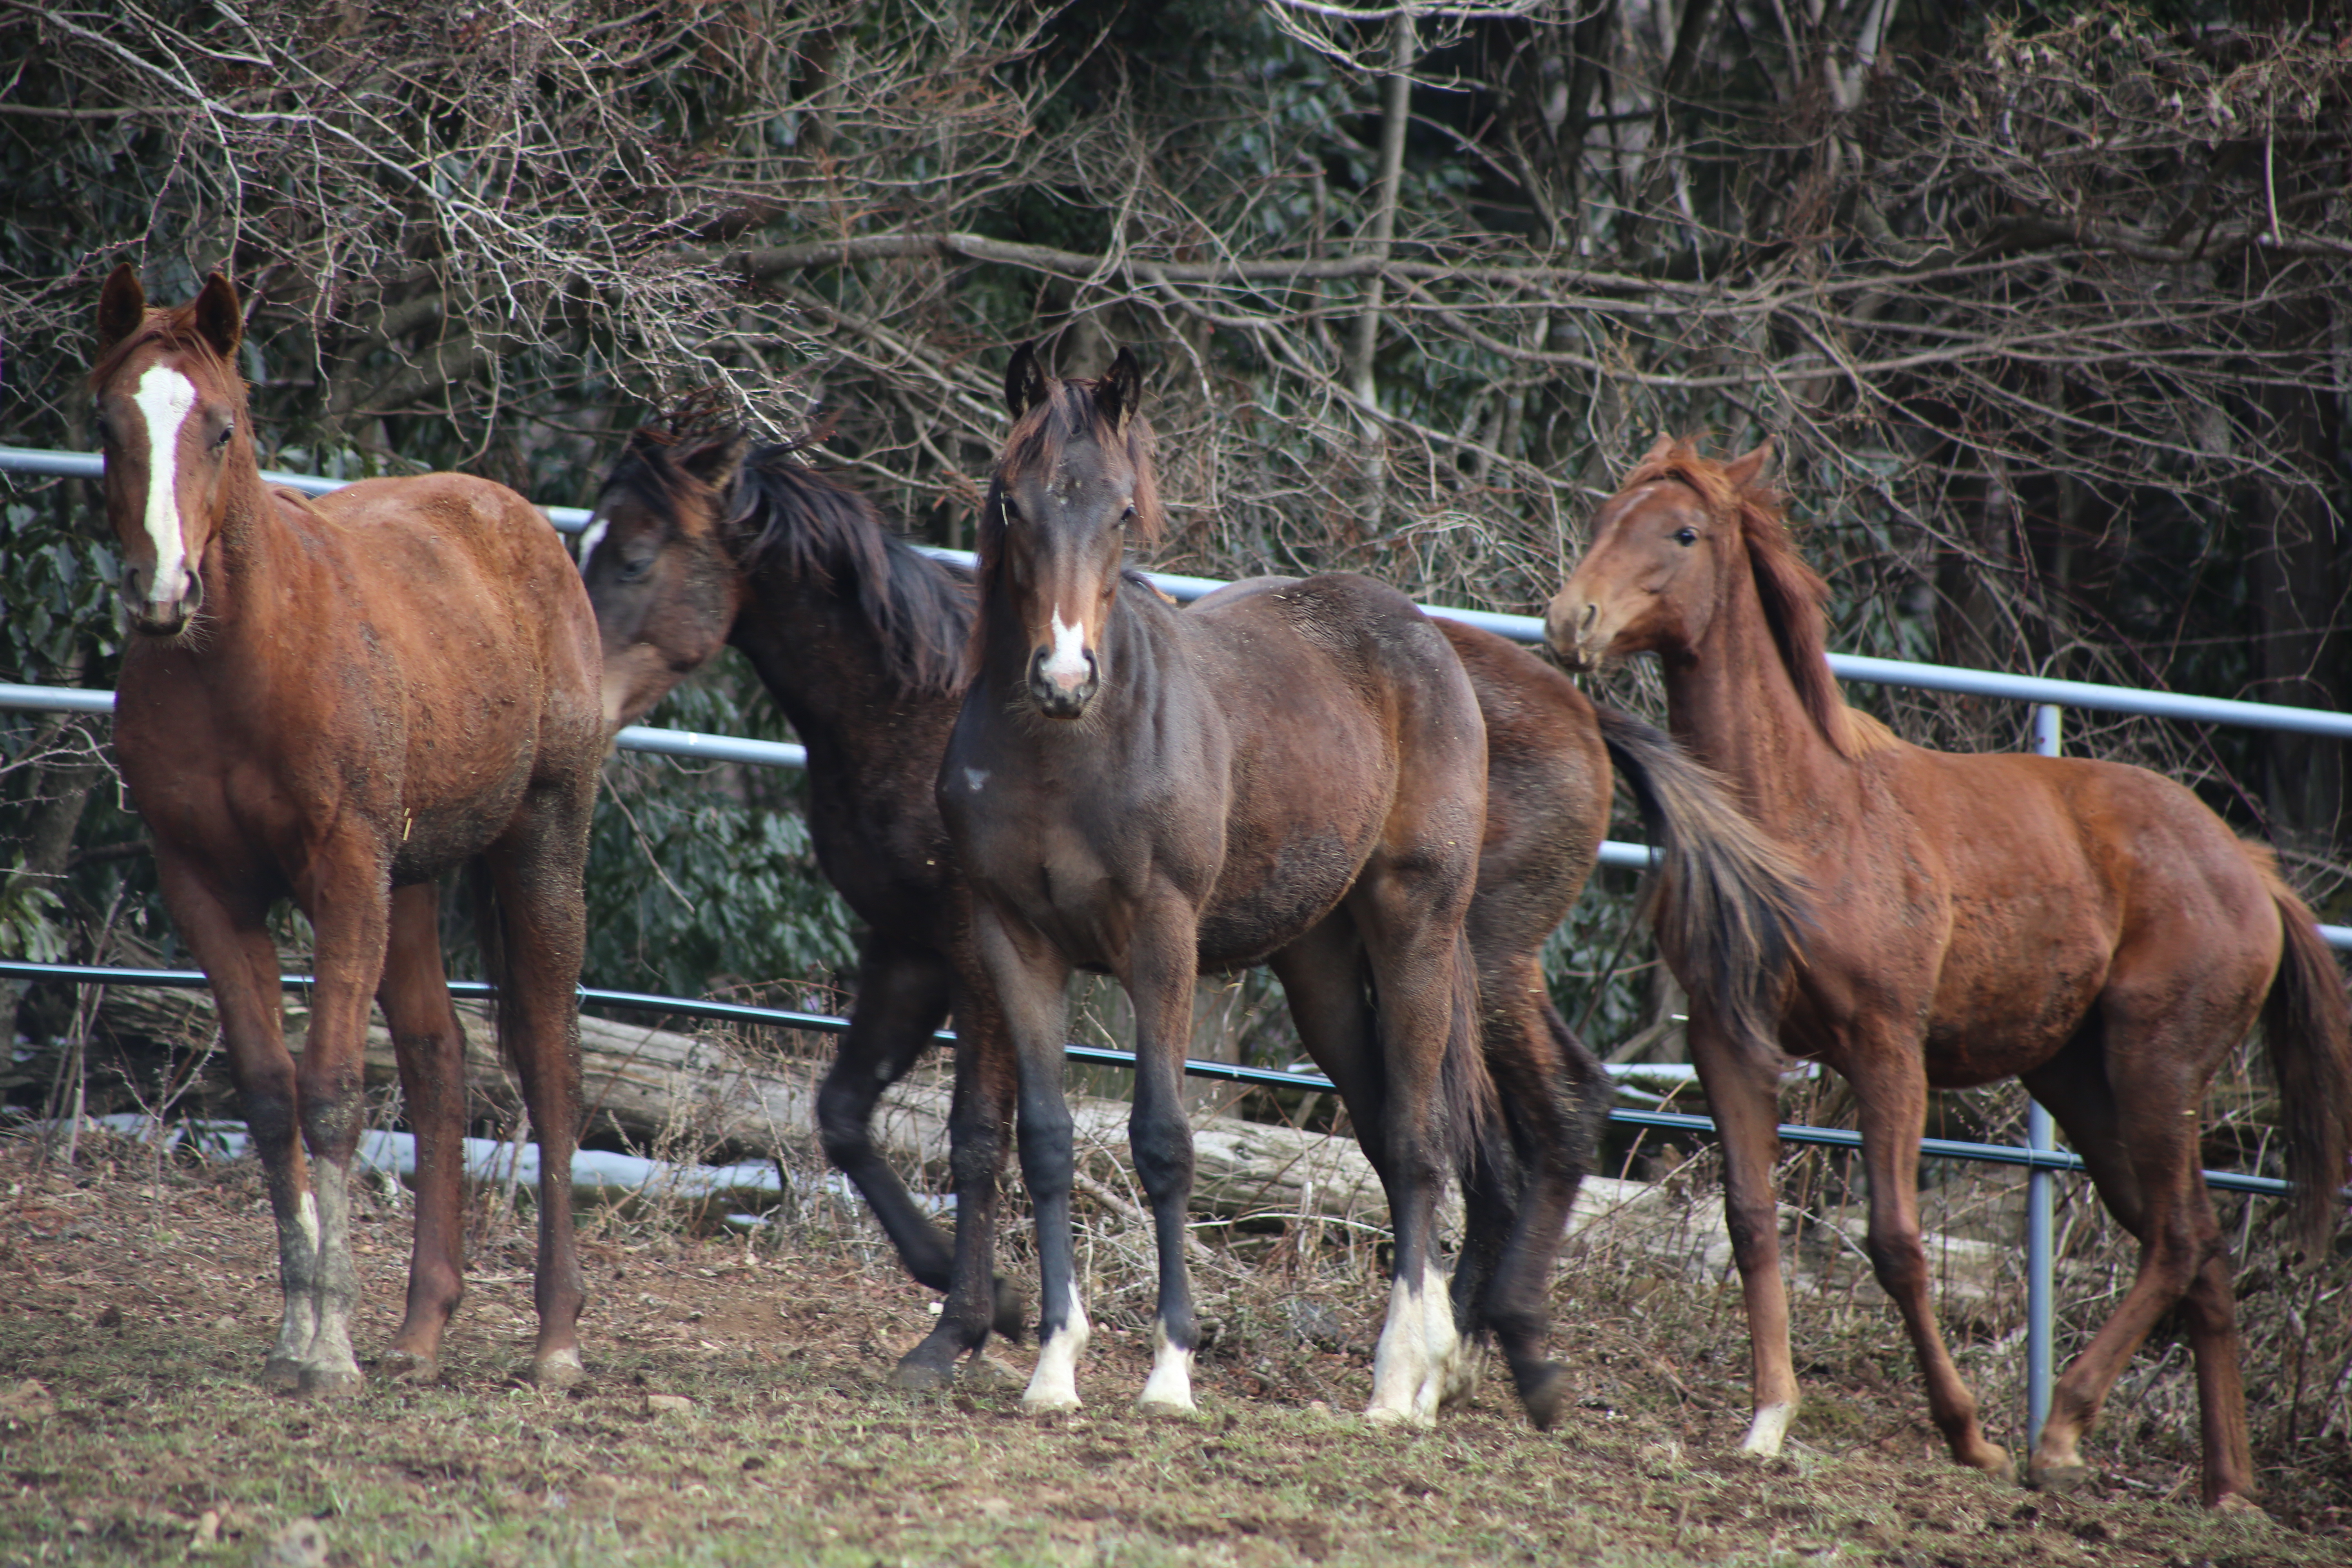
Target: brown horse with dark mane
x: 2088, y: 928
x: 864, y: 643
x: 336, y: 701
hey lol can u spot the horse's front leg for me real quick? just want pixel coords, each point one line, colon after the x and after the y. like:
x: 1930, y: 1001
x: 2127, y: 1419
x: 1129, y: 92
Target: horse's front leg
x: 430, y: 1046
x: 227, y: 933
x: 1031, y: 979
x: 1889, y: 1076
x: 1160, y: 970
x: 1744, y: 1093
x: 348, y: 896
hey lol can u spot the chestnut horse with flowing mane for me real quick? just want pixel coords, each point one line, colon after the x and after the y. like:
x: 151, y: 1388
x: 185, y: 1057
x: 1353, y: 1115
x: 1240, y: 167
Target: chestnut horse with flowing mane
x: 336, y: 701
x: 2088, y: 928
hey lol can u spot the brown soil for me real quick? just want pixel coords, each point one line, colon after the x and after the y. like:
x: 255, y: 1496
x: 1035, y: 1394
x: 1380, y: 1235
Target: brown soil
x: 138, y: 1296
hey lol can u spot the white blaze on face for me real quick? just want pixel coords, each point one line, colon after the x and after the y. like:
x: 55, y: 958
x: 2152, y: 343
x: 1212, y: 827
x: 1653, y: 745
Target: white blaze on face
x: 591, y: 539
x: 164, y: 398
x: 1066, y: 667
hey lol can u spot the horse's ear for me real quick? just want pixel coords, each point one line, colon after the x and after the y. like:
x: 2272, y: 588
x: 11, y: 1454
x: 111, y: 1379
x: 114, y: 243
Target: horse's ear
x: 122, y: 306
x: 1119, y: 394
x: 1025, y: 380
x: 713, y: 460
x: 1750, y: 468
x: 219, y: 316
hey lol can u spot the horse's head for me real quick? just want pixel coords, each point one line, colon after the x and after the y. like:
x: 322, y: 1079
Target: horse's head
x: 1664, y: 552
x: 1073, y: 484
x: 655, y: 560
x: 170, y: 412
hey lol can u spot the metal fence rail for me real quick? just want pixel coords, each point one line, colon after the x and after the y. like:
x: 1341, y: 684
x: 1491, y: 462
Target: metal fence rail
x: 2049, y: 698
x: 2038, y: 1160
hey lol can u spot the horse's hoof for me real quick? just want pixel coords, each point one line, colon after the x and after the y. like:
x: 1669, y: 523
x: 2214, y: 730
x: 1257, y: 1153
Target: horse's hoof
x: 330, y: 1383
x: 917, y: 1374
x: 1050, y: 1403
x: 2056, y: 1477
x: 1542, y: 1394
x: 558, y: 1370
x: 986, y: 1373
x: 1996, y: 1463
x: 1011, y: 1322
x: 2237, y: 1502
x: 1167, y: 1409
x: 282, y: 1374
x: 407, y: 1366
x: 1386, y: 1415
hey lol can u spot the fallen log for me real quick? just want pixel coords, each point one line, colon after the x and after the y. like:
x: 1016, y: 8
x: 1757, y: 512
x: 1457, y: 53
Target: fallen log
x: 705, y: 1097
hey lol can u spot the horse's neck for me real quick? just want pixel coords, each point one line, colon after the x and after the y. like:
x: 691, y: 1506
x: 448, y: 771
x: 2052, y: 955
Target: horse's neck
x: 1734, y: 706
x: 820, y: 658
x: 245, y: 569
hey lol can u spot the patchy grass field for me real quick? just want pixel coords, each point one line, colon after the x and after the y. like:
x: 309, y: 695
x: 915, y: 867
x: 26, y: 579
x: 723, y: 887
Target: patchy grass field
x: 737, y: 1413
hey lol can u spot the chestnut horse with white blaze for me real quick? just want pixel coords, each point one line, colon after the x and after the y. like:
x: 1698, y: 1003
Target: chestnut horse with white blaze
x: 336, y: 701
x: 2090, y: 929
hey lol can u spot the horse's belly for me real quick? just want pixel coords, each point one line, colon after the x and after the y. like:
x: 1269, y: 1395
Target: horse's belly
x: 1279, y: 894
x: 1983, y: 1030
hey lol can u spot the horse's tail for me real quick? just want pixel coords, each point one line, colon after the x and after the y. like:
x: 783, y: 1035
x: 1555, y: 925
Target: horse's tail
x: 490, y: 936
x: 1476, y: 1142
x: 1731, y: 902
x: 2307, y: 1029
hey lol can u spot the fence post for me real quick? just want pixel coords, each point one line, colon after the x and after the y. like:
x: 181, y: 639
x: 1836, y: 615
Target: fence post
x: 2039, y: 1135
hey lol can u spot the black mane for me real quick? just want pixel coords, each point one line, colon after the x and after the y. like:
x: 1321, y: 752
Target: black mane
x: 786, y: 514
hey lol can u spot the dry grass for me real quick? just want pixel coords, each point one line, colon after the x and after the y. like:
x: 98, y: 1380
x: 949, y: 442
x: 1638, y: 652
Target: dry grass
x: 138, y: 1296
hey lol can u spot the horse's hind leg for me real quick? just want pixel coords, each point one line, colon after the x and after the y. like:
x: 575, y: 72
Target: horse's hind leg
x: 1554, y: 1093
x: 1427, y: 1004
x: 535, y: 878
x: 232, y: 945
x: 986, y: 1084
x: 431, y: 1049
x: 902, y: 999
x: 2075, y: 1087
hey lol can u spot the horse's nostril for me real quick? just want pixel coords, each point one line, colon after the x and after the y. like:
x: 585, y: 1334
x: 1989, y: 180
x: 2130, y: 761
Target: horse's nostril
x: 1591, y: 614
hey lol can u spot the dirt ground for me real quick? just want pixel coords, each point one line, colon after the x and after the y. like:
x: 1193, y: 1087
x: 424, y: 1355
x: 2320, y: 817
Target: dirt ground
x: 738, y: 1413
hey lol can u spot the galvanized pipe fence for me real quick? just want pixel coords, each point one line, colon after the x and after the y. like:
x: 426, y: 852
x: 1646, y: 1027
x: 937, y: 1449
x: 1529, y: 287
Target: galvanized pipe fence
x: 2050, y: 698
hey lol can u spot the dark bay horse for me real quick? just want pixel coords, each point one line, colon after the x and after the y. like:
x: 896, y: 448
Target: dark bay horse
x: 336, y: 701
x: 2088, y: 928
x: 1295, y: 776
x: 864, y: 644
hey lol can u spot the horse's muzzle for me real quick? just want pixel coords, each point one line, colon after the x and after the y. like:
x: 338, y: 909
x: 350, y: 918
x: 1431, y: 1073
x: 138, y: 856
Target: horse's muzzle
x: 1568, y: 626
x: 155, y: 618
x: 1059, y: 695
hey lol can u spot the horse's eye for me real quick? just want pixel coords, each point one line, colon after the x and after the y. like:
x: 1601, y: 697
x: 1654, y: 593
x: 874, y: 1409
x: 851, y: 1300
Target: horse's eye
x: 634, y: 566
x: 1011, y: 514
x: 1128, y: 516
x: 227, y: 430
x: 1686, y: 536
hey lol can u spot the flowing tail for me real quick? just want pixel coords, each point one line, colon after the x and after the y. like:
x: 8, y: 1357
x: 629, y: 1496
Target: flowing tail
x: 2307, y: 1028
x: 1471, y: 1131
x: 1731, y: 902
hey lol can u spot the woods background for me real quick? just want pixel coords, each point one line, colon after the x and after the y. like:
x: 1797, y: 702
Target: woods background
x: 2049, y: 307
